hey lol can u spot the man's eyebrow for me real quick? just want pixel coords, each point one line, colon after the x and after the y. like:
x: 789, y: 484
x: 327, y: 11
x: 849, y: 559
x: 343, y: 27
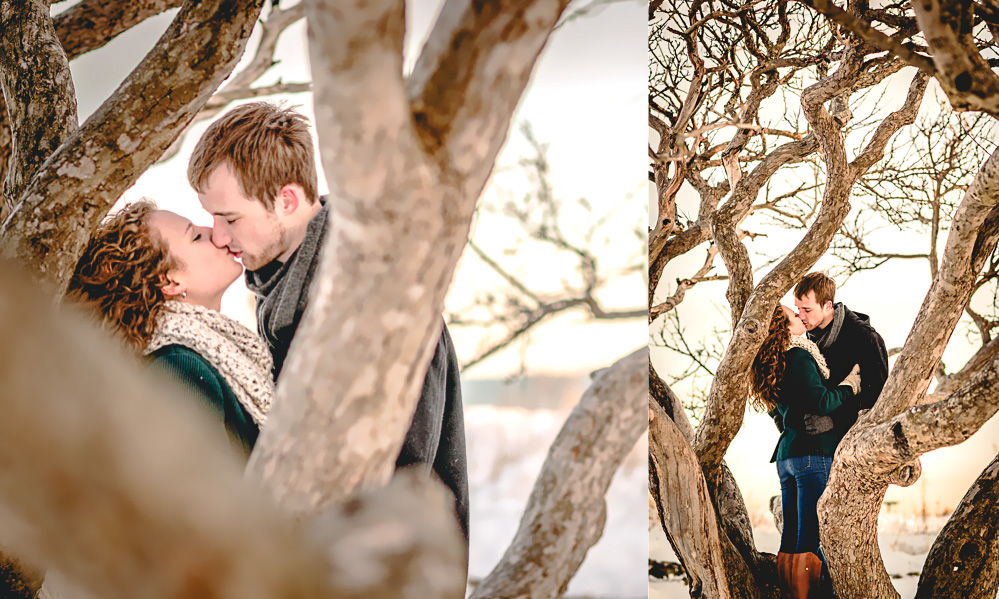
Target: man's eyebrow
x: 188, y: 228
x: 224, y: 213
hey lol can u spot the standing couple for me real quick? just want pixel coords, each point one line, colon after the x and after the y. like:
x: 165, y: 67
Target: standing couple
x: 157, y: 281
x: 815, y: 371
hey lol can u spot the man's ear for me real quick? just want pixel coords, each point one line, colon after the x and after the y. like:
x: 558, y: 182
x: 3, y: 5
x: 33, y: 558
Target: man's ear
x: 829, y: 305
x: 288, y: 199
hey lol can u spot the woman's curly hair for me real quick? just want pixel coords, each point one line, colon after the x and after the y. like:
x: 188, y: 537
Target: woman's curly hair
x: 768, y: 367
x: 121, y: 272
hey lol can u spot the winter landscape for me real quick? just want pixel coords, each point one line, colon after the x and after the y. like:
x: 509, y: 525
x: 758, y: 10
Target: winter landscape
x: 506, y: 446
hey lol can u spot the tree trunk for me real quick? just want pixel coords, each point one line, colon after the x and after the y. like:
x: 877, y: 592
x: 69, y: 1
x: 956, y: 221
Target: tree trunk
x: 407, y: 169
x: 688, y: 517
x: 38, y: 89
x: 962, y: 561
x: 566, y: 512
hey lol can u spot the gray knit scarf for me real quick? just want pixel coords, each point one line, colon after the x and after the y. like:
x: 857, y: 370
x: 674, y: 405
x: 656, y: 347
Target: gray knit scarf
x: 827, y: 338
x: 235, y: 351
x: 283, y: 289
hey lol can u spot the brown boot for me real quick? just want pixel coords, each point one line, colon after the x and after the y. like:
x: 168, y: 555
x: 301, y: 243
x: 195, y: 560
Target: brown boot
x: 805, y: 572
x: 785, y: 566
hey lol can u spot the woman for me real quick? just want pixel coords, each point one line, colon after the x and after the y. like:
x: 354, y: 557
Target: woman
x: 156, y: 281
x: 788, y: 381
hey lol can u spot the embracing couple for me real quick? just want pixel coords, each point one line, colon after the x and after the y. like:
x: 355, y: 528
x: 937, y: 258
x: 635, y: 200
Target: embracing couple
x: 817, y: 368
x: 157, y: 280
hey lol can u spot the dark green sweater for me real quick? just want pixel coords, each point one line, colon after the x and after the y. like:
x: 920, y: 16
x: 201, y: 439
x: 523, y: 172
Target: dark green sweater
x: 804, y: 391
x: 206, y: 383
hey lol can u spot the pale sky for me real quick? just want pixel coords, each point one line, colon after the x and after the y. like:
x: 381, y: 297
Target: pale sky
x: 586, y: 101
x: 891, y: 295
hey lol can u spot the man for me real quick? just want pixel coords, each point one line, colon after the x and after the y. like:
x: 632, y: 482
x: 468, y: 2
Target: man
x: 255, y: 171
x: 845, y: 338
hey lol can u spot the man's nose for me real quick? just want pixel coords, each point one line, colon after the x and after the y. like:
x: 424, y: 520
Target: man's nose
x: 219, y: 238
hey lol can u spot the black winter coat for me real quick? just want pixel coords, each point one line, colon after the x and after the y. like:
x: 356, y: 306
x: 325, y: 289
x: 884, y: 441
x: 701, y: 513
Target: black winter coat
x: 857, y: 343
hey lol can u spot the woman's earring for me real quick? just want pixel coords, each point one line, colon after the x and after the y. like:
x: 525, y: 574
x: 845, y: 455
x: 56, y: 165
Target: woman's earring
x: 183, y: 294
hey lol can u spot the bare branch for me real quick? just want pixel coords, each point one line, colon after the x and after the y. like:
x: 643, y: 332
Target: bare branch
x: 872, y: 35
x: 389, y: 184
x: 90, y: 24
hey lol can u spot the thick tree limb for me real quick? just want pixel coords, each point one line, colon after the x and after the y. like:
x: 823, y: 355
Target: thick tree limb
x: 983, y: 356
x: 961, y: 562
x: 363, y: 388
x: 90, y: 24
x: 566, y: 511
x: 945, y: 301
x: 873, y: 457
x: 37, y: 88
x: 84, y: 177
x: 688, y: 517
x: 887, y: 453
x: 963, y: 73
x: 871, y: 35
x: 476, y: 51
x: 81, y: 28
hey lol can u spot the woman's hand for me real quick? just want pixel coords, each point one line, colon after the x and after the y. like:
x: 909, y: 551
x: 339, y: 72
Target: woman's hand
x: 853, y: 379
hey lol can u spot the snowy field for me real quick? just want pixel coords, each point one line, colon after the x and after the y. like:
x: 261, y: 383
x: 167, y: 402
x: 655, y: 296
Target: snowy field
x: 904, y: 542
x: 506, y: 448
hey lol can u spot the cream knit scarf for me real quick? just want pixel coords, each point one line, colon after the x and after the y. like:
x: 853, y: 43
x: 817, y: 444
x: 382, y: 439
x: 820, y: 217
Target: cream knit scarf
x: 810, y: 347
x: 235, y: 351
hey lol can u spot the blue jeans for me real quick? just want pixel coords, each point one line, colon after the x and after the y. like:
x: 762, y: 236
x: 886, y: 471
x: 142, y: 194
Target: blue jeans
x: 802, y: 481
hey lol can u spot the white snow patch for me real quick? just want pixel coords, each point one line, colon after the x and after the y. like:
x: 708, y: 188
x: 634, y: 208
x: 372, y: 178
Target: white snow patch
x: 506, y: 449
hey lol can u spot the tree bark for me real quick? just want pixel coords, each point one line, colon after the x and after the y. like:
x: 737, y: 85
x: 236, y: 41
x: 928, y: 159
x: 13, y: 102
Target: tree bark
x: 115, y: 477
x: 391, y: 183
x: 963, y: 73
x: 566, y: 512
x: 962, y: 561
x: 80, y: 181
x: 81, y: 28
x: 688, y: 516
x: 91, y: 24
x: 37, y: 88
x: 946, y: 299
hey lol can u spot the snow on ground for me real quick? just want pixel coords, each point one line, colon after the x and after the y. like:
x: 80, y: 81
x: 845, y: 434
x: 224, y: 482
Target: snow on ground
x: 506, y: 448
x: 904, y: 542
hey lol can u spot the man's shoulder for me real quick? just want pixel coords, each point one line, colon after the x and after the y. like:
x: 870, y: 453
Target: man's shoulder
x: 857, y: 327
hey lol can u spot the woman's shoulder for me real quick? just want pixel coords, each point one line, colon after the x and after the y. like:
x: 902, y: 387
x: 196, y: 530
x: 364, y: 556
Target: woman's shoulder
x: 797, y: 354
x: 798, y: 358
x: 184, y: 360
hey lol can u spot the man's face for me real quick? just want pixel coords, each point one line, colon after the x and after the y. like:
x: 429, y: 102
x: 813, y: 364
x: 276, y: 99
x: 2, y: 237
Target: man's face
x: 254, y: 234
x: 811, y: 313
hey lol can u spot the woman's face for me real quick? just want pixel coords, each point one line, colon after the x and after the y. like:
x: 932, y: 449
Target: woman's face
x: 797, y: 327
x: 205, y: 271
